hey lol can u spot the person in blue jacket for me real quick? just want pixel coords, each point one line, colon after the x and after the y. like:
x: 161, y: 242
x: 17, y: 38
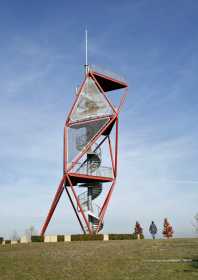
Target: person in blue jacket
x: 153, y: 229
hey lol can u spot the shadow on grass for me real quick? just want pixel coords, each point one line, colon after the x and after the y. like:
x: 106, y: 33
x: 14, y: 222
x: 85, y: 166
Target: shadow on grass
x: 195, y: 263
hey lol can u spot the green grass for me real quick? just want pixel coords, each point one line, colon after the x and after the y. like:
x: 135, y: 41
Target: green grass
x: 123, y: 259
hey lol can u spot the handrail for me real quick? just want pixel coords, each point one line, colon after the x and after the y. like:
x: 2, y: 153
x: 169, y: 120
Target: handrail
x: 102, y: 171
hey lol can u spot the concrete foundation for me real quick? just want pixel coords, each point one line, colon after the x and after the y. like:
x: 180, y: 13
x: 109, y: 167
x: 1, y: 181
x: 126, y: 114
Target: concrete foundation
x: 67, y: 238
x: 106, y: 237
x: 14, y: 242
x: 50, y: 238
x: 24, y: 239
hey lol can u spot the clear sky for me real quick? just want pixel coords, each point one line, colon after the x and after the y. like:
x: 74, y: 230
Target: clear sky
x: 154, y: 45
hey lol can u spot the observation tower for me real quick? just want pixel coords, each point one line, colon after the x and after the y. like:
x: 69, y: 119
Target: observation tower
x: 90, y: 154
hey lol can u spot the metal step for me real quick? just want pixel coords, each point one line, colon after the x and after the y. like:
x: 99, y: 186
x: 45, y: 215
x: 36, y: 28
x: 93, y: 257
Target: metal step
x: 94, y: 220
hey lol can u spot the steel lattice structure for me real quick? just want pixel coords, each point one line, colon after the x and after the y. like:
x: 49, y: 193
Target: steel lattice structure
x: 90, y: 124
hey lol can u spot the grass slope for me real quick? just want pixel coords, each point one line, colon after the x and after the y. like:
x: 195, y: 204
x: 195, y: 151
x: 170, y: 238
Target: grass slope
x: 127, y: 259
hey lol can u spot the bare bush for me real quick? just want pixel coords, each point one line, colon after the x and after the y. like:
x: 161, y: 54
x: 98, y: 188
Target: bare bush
x: 195, y: 222
x: 14, y: 236
x: 29, y: 232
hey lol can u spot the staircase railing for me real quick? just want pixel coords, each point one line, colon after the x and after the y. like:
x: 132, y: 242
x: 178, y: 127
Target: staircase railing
x: 84, y: 203
x: 83, y: 200
x: 102, y: 171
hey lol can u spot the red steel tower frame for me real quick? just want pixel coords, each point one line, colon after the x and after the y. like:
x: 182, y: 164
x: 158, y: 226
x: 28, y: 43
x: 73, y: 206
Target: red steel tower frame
x: 89, y: 125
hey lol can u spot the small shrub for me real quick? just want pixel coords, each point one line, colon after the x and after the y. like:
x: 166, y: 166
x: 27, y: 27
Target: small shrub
x: 1, y: 240
x: 60, y: 238
x: 141, y: 236
x: 120, y: 236
x: 86, y: 237
x: 37, y: 238
x: 7, y: 241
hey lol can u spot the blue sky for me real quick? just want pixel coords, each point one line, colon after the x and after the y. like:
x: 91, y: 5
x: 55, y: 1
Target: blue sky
x: 153, y: 44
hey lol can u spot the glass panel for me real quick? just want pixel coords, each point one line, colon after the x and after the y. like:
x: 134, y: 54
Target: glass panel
x: 79, y: 135
x: 91, y: 103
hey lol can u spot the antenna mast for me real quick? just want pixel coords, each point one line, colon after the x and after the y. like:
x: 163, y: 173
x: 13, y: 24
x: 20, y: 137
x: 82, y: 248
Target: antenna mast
x: 86, y: 62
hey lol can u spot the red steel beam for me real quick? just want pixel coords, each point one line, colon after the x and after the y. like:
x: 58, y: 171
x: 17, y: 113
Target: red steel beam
x: 79, y: 206
x: 111, y: 154
x: 84, y: 121
x: 122, y: 101
x: 105, y: 204
x: 76, y: 212
x: 65, y: 151
x: 53, y: 205
x: 116, y: 147
x: 76, y: 99
x: 96, y: 178
x: 71, y: 123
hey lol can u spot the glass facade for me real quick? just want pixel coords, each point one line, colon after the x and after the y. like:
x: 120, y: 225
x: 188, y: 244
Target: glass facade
x: 79, y: 135
x: 91, y: 103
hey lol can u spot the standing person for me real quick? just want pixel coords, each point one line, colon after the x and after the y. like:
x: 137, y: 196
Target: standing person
x: 138, y: 230
x: 153, y: 229
x: 168, y: 230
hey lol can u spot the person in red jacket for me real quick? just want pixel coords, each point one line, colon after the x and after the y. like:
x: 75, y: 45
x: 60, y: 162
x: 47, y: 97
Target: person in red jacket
x: 168, y: 230
x: 138, y: 230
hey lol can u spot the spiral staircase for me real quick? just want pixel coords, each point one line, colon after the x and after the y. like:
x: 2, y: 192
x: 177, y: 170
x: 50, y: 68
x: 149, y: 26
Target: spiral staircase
x: 93, y: 189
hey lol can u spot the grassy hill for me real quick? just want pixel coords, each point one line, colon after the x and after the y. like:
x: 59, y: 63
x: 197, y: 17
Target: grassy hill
x: 127, y: 259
